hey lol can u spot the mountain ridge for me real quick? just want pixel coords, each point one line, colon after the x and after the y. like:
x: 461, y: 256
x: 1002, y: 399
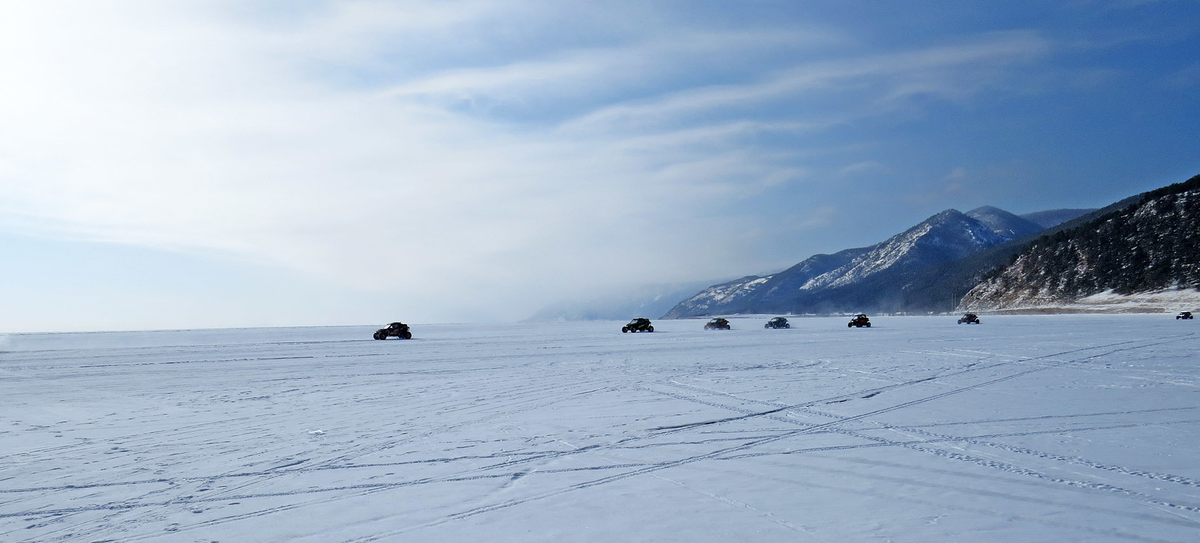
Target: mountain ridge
x: 823, y: 281
x: 1005, y: 223
x: 1149, y: 245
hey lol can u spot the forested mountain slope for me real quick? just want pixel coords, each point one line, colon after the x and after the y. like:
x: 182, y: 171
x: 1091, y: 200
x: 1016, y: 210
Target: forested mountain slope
x: 1151, y: 245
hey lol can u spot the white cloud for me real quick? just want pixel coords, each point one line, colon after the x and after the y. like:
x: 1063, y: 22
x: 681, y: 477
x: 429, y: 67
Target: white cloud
x: 902, y: 68
x: 864, y: 167
x: 174, y: 126
x: 599, y: 70
x: 168, y: 134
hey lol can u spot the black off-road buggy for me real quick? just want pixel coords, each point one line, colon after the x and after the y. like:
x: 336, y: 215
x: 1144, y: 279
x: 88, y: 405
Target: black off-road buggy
x: 1184, y: 315
x: 860, y: 320
x: 718, y: 323
x: 777, y: 323
x: 969, y: 318
x: 638, y: 325
x: 395, y: 329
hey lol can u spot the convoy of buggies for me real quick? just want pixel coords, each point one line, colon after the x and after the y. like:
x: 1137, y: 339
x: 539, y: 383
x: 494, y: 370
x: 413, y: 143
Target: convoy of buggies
x: 640, y: 324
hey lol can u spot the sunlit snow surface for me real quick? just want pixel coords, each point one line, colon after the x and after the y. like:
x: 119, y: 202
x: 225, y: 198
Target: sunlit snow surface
x: 1024, y: 428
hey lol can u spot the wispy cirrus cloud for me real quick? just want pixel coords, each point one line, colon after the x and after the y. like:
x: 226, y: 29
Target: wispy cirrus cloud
x: 895, y: 72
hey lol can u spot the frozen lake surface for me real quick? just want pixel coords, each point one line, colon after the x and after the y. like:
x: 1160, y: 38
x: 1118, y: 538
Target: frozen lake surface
x: 1024, y: 428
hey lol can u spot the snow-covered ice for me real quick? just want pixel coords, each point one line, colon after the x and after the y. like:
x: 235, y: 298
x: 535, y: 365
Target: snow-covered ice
x: 1024, y: 428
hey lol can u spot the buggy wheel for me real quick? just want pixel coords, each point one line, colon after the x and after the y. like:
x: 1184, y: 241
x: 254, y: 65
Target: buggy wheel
x: 849, y: 324
x: 868, y: 325
x: 406, y: 335
x: 624, y: 329
x: 649, y: 328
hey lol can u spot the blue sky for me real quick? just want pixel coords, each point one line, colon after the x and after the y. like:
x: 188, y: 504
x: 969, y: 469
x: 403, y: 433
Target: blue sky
x: 208, y: 164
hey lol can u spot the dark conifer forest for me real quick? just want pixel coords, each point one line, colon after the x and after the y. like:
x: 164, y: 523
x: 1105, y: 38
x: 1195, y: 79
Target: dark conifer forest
x: 1149, y: 245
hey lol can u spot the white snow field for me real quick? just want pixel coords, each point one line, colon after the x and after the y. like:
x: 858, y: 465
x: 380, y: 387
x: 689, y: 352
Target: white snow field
x: 1024, y: 428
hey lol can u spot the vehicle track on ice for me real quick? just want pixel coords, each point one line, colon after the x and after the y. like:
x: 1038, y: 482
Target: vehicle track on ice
x: 533, y: 398
x: 518, y: 399
x: 729, y: 451
x: 934, y: 437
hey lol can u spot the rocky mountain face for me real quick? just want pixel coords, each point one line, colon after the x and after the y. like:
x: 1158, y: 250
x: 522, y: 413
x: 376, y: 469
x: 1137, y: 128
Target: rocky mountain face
x: 1150, y: 245
x: 859, y: 279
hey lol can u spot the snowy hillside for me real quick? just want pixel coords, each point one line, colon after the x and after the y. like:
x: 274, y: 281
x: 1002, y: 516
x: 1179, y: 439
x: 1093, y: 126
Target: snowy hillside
x: 739, y: 293
x: 812, y: 285
x: 1150, y: 246
x: 1024, y: 428
x: 1004, y: 223
x: 949, y: 235
x: 1170, y: 301
x: 744, y: 295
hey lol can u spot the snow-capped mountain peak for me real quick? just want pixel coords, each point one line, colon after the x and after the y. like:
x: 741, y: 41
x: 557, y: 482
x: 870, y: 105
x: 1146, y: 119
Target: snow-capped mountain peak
x: 1004, y: 223
x: 947, y: 236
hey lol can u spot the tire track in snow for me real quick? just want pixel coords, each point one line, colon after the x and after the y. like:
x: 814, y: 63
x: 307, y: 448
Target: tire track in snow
x: 185, y: 500
x: 729, y: 450
x: 750, y: 444
x: 1009, y: 467
x: 340, y: 462
x: 957, y: 456
x: 876, y: 442
x: 1074, y: 460
x: 959, y: 390
x: 1051, y: 417
x: 387, y: 486
x: 1038, y: 518
x: 842, y: 420
x: 225, y: 495
x: 541, y: 400
x: 980, y: 441
x: 375, y: 487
